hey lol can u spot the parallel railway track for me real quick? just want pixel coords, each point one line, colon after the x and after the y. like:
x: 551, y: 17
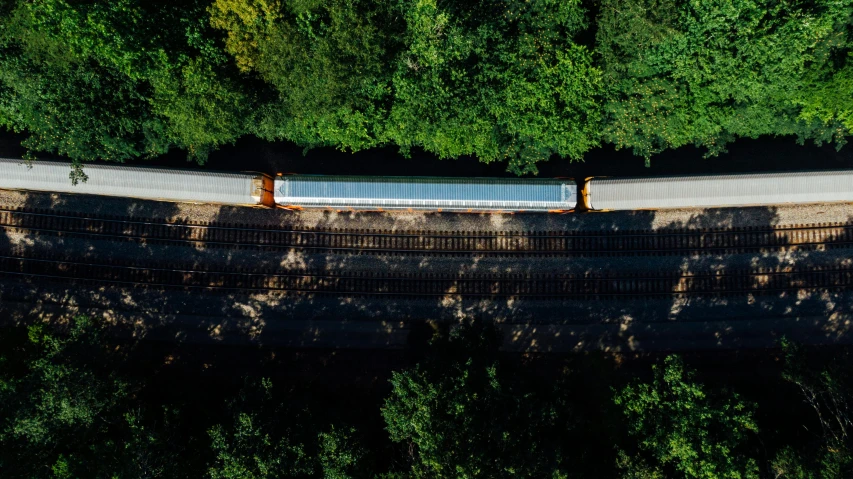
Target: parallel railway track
x: 581, y: 286
x: 548, y: 243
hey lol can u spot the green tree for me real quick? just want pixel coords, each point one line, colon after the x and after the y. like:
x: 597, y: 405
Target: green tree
x: 65, y: 410
x: 499, y: 79
x: 827, y: 99
x: 681, y: 428
x: 328, y: 62
x: 50, y: 404
x: 117, y: 80
x: 706, y: 72
x: 275, y: 437
x: 463, y: 415
x: 824, y: 383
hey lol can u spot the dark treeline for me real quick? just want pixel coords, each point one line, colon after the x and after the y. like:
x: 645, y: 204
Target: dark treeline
x: 516, y: 81
x: 77, y: 403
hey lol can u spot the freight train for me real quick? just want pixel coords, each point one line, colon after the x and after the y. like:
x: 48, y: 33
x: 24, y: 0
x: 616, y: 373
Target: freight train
x: 365, y: 193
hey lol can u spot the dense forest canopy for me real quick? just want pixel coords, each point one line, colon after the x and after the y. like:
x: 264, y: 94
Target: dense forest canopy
x: 516, y: 81
x: 76, y: 402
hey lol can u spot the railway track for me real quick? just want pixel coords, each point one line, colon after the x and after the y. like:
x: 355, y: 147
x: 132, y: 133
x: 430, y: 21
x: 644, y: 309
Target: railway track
x: 596, y: 285
x: 549, y: 243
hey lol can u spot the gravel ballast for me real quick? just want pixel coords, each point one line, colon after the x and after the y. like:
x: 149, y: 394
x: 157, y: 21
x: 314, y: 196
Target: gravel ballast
x: 327, y: 321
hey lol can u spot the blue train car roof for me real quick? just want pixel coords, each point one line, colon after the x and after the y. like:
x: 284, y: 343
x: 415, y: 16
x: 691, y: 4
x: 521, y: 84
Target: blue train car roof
x: 426, y: 193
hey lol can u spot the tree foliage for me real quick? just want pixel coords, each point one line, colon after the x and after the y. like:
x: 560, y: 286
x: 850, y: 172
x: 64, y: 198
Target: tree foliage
x: 707, y: 72
x: 72, y: 406
x: 504, y: 80
x: 271, y: 437
x: 117, y: 80
x: 826, y: 389
x: 65, y: 410
x: 329, y: 64
x: 682, y: 428
x: 501, y: 80
x: 464, y: 415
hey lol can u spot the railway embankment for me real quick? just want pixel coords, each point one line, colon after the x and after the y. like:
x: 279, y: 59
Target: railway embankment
x: 623, y: 280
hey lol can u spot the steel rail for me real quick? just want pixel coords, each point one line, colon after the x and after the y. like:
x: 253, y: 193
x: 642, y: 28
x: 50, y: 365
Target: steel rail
x: 568, y: 243
x: 535, y: 285
x: 428, y: 234
x: 450, y: 252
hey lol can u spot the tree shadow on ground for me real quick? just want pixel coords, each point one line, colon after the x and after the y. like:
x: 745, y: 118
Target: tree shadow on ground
x: 812, y: 315
x: 329, y: 321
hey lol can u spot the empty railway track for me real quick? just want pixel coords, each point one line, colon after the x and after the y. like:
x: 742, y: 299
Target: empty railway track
x: 593, y: 285
x: 547, y: 243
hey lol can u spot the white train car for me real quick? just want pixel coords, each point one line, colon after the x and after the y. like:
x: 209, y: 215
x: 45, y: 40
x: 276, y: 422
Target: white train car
x: 167, y: 184
x: 708, y: 191
x: 425, y: 193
